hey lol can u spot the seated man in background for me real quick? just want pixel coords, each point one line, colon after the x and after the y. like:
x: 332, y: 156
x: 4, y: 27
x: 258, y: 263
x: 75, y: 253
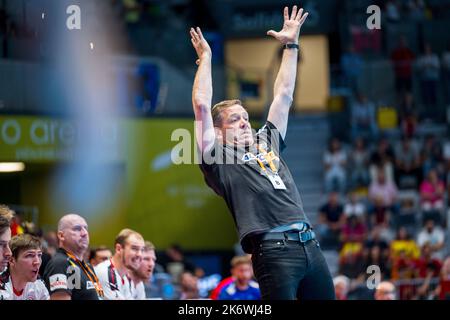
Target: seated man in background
x: 6, y: 215
x: 243, y: 287
x: 22, y: 281
x: 142, y: 275
x: 433, y: 236
x: 113, y: 273
x: 331, y: 220
x: 98, y: 255
x: 68, y: 264
x: 407, y: 163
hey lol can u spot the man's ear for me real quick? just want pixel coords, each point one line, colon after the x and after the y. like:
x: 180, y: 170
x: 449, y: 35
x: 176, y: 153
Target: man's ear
x: 117, y: 248
x: 60, y: 236
x: 219, y: 134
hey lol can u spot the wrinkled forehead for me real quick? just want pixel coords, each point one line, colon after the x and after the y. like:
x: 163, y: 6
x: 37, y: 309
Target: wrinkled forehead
x: 235, y: 109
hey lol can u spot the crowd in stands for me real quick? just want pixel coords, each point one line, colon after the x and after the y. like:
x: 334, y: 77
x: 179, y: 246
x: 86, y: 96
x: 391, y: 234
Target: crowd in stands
x: 388, y: 194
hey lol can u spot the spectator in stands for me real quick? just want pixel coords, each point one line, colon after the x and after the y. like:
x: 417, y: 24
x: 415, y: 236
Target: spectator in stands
x: 22, y: 275
x: 351, y: 64
x: 6, y: 216
x: 382, y: 158
x: 141, y: 276
x: 432, y: 192
x: 392, y: 11
x: 407, y: 162
x: 434, y: 236
x: 431, y: 156
x: 354, y: 230
x: 429, y: 69
x: 188, y: 286
x: 407, y: 213
x: 355, y: 207
x: 383, y: 191
x: 341, y: 287
x: 403, y: 270
x: 363, y: 118
x: 404, y: 245
x: 443, y: 289
x: 446, y: 72
x: 331, y: 219
x: 426, y: 263
x: 408, y: 115
x: 335, y: 161
x: 351, y: 260
x: 376, y: 258
x: 402, y: 59
x: 380, y: 214
x: 385, y: 291
x: 99, y: 254
x: 378, y: 239
x: 359, y: 164
x: 242, y: 287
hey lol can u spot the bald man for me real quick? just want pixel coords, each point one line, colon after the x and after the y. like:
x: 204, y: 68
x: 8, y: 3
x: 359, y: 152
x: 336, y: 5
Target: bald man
x: 66, y: 275
x: 385, y: 291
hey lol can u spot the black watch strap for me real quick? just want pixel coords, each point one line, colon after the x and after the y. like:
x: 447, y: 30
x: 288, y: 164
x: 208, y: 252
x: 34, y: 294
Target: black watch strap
x: 291, y: 46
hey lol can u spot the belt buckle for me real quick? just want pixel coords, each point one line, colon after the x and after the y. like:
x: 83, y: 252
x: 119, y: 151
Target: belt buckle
x: 303, y: 236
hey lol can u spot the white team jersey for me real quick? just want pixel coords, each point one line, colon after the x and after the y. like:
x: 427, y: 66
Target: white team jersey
x: 32, y: 291
x: 137, y: 291
x: 114, y: 286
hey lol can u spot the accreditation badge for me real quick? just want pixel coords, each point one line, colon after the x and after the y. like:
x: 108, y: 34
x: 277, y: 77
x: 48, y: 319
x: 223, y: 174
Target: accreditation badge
x: 276, y: 180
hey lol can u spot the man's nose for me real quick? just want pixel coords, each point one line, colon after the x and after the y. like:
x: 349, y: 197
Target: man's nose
x: 7, y: 253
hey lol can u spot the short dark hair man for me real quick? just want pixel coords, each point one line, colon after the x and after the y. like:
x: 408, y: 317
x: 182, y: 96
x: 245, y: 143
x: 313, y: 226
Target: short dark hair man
x: 22, y: 275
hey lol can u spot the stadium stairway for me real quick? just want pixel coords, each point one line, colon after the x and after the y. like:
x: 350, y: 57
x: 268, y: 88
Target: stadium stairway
x: 306, y: 139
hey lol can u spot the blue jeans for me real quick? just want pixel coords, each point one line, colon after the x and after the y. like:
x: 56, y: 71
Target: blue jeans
x: 289, y: 270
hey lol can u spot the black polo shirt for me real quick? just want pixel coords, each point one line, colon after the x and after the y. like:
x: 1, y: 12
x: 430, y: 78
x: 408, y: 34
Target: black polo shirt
x: 256, y: 206
x: 62, y: 274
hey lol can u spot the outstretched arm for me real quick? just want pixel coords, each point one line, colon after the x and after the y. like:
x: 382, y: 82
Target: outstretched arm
x: 285, y: 81
x: 202, y: 92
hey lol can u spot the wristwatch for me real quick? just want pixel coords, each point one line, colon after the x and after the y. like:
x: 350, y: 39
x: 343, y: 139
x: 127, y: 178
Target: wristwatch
x: 291, y: 46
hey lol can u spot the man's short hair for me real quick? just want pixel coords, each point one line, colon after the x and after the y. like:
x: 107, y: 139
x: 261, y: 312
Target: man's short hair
x: 93, y: 252
x: 217, y: 109
x: 149, y: 246
x: 238, y: 260
x: 123, y: 236
x: 23, y: 242
x: 6, y: 215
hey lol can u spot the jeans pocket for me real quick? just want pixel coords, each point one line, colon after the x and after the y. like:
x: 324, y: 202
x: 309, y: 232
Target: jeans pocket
x: 272, y: 246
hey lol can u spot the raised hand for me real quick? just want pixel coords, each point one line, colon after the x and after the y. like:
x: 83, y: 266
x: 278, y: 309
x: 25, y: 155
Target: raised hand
x: 201, y: 46
x: 291, y: 26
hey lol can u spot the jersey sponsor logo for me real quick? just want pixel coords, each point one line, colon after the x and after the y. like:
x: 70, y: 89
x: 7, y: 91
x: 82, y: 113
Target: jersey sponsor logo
x: 248, y: 157
x: 89, y: 285
x: 58, y: 281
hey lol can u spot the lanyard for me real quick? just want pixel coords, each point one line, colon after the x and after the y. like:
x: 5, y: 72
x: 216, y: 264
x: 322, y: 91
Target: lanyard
x: 88, y: 271
x: 268, y: 157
